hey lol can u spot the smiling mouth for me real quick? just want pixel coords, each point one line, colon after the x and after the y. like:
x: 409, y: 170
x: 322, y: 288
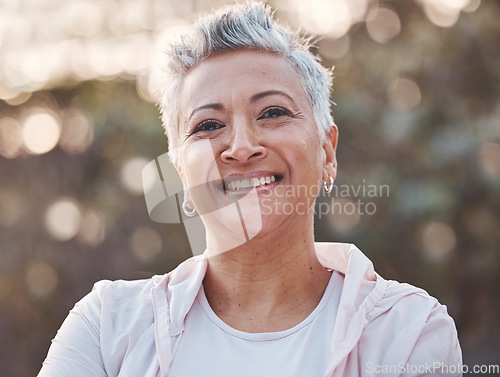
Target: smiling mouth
x: 246, y: 183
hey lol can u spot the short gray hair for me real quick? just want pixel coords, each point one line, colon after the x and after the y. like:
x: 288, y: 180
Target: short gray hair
x: 241, y: 26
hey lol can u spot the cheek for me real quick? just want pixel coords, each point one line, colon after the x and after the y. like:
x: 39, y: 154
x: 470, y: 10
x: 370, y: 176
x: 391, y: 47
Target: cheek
x: 305, y: 164
x: 310, y: 151
x: 197, y: 162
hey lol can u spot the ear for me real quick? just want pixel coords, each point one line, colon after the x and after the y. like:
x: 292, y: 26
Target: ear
x: 330, y: 154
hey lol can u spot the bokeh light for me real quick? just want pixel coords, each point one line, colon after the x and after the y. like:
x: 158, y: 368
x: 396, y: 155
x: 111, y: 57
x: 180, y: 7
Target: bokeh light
x: 135, y: 53
x: 19, y: 99
x: 438, y: 240
x: 42, y: 54
x: 10, y: 137
x: 334, y: 48
x: 11, y: 208
x: 17, y: 29
x: 472, y: 6
x: 99, y: 54
x: 62, y: 219
x: 489, y: 158
x: 6, y: 92
x: 41, y: 279
x: 131, y: 176
x: 84, y: 19
x: 383, y: 24
x: 92, y: 228
x: 330, y: 17
x: 145, y: 244
x: 145, y: 87
x: 403, y: 94
x: 445, y: 13
x: 41, y: 131
x: 75, y: 55
x: 454, y: 4
x: 343, y: 215
x: 78, y: 132
x: 480, y: 222
x: 34, y: 66
x: 440, y: 17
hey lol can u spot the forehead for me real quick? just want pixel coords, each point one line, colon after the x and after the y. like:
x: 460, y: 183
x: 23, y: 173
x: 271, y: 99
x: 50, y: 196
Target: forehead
x: 239, y: 73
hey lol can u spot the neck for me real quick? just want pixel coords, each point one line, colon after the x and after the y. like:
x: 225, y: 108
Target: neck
x: 270, y: 283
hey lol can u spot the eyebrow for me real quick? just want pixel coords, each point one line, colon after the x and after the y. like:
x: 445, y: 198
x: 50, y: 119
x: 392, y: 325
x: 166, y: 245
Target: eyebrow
x: 254, y: 98
x: 260, y: 95
x: 215, y: 106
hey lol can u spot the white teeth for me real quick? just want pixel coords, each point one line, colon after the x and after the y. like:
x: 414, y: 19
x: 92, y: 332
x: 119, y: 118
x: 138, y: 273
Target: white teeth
x: 250, y: 182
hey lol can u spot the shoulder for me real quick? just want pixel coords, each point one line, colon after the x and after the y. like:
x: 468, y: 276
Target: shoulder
x: 114, y: 319
x: 119, y: 293
x: 112, y: 301
x: 410, y: 325
x: 402, y: 297
x: 117, y: 305
x: 124, y: 290
x: 122, y: 316
x: 403, y: 304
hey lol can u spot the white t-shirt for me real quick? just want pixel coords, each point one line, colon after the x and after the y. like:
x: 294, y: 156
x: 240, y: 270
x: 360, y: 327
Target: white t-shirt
x: 210, y: 348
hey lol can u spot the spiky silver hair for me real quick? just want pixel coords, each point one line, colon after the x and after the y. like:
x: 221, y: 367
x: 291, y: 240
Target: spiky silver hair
x: 241, y: 26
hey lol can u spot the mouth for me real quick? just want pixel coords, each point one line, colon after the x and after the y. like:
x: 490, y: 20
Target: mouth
x: 236, y: 183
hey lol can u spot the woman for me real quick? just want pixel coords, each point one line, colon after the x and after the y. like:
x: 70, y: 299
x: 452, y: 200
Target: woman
x: 247, y: 114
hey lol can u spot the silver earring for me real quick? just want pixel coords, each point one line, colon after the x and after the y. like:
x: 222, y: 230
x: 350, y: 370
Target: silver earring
x: 188, y: 208
x: 328, y: 186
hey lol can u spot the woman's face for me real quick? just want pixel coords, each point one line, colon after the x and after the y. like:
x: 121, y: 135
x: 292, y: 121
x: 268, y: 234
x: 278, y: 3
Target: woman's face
x: 248, y: 134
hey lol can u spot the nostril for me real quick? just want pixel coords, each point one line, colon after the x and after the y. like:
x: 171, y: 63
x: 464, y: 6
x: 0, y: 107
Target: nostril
x: 244, y: 152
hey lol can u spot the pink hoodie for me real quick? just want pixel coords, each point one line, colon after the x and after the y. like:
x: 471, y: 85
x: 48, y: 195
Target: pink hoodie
x: 131, y: 328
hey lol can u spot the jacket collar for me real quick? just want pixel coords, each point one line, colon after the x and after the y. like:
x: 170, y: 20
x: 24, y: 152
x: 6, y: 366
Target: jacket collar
x: 176, y: 291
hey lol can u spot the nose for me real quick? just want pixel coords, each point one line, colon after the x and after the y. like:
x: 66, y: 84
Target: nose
x: 244, y: 145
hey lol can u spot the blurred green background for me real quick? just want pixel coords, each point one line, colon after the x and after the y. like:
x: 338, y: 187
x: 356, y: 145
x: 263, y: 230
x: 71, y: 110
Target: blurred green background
x: 416, y: 88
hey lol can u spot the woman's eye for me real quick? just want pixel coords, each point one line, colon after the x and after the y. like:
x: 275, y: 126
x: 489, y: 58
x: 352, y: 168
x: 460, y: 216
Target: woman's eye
x: 208, y: 125
x: 274, y: 112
